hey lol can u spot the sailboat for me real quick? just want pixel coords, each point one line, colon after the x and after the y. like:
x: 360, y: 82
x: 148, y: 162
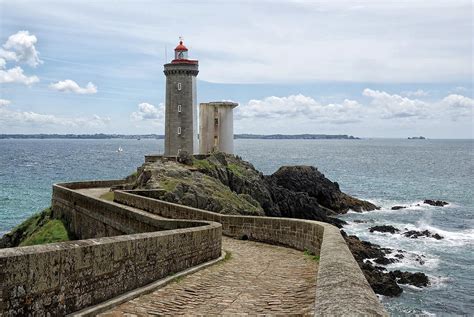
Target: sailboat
x: 120, y: 149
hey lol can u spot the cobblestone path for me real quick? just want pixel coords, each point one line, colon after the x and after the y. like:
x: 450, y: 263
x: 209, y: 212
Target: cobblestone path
x: 257, y: 279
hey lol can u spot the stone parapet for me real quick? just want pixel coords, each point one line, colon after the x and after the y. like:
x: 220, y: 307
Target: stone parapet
x: 60, y: 278
x: 341, y: 286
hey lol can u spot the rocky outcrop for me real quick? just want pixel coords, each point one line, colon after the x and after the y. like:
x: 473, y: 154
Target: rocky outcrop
x: 307, y: 179
x: 437, y: 203
x: 414, y: 234
x: 384, y: 228
x: 398, y: 207
x: 382, y: 281
x: 293, y: 191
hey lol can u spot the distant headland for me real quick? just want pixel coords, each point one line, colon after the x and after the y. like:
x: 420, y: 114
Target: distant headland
x: 160, y: 136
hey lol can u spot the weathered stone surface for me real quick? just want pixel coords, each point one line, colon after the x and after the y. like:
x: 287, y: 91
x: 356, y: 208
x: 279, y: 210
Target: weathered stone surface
x: 61, y: 278
x: 339, y: 276
x: 258, y: 278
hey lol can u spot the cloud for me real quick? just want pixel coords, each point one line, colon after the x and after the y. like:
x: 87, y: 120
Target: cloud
x: 302, y: 107
x: 381, y: 105
x: 2, y: 63
x: 27, y: 118
x: 15, y: 75
x: 148, y: 111
x: 71, y: 86
x: 4, y: 102
x: 20, y: 47
x: 395, y: 106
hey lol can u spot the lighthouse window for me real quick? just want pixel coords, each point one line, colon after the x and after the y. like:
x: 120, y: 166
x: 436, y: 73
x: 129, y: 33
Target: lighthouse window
x: 179, y: 130
x: 179, y: 108
x: 179, y: 86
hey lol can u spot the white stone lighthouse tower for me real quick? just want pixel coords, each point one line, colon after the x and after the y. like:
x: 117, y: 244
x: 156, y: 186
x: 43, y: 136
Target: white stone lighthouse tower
x: 181, y: 104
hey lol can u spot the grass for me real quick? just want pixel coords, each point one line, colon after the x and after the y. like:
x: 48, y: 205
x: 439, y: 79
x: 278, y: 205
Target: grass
x: 52, y: 231
x: 236, y: 169
x: 108, y: 196
x: 202, y: 164
x: 169, y: 184
x: 311, y: 256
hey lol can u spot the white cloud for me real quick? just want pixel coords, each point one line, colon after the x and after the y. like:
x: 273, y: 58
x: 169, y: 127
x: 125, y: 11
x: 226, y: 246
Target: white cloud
x: 15, y: 75
x: 71, y: 86
x: 381, y: 105
x: 4, y: 102
x: 148, y: 111
x: 395, y: 106
x: 27, y: 118
x: 2, y: 63
x: 20, y: 47
x: 300, y: 106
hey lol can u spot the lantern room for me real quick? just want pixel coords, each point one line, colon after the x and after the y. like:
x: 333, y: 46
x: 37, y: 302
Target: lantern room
x: 181, y: 51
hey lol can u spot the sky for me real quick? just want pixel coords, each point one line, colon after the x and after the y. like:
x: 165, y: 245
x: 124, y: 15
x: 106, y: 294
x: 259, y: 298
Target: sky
x: 366, y: 68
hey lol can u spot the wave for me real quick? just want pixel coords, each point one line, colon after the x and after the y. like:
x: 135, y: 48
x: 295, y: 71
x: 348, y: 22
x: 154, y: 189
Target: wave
x: 387, y: 204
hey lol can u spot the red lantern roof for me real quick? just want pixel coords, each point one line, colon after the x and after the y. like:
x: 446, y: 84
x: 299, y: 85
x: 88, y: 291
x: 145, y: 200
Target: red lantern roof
x: 181, y: 47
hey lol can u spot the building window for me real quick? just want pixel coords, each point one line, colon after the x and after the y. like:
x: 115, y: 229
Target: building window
x: 179, y: 108
x: 179, y: 130
x: 216, y: 121
x: 179, y: 86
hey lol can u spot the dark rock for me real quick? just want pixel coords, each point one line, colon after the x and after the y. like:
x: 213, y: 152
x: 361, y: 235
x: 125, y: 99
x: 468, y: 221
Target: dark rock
x: 360, y: 221
x: 384, y: 260
x: 414, y: 234
x: 398, y: 207
x: 382, y: 283
x: 309, y: 180
x: 384, y: 228
x: 417, y: 279
x: 437, y: 203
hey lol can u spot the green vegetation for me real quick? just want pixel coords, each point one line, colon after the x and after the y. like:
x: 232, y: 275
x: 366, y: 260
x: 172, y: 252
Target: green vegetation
x: 236, y: 169
x: 169, y: 184
x: 108, y: 196
x: 40, y: 228
x: 311, y: 256
x: 228, y: 256
x: 52, y: 231
x: 202, y: 164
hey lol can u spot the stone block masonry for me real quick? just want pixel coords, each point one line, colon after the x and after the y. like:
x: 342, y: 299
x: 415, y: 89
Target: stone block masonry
x: 60, y: 278
x: 341, y: 286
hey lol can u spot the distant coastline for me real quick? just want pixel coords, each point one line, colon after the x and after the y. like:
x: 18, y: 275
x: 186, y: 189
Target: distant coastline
x: 159, y: 136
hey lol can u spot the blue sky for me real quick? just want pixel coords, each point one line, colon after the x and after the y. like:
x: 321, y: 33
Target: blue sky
x: 366, y: 68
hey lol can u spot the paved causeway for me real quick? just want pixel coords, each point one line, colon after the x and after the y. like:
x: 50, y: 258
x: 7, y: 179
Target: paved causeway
x: 258, y: 279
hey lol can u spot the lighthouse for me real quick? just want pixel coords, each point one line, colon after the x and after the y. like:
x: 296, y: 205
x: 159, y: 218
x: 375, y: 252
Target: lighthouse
x: 181, y: 104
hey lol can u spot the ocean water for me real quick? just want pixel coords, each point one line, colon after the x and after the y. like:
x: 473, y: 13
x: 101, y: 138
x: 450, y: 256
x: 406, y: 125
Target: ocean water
x: 386, y: 172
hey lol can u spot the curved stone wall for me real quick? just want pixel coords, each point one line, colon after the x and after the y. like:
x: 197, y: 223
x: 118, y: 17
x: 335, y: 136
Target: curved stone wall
x: 341, y: 286
x: 60, y: 278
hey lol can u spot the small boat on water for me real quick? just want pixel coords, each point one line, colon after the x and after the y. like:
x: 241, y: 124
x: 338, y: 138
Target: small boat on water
x: 120, y: 149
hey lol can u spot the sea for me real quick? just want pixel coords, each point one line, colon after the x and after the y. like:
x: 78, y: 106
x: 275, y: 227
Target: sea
x: 387, y: 172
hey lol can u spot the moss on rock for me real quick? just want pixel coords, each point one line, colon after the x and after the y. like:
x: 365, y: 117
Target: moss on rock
x: 40, y: 228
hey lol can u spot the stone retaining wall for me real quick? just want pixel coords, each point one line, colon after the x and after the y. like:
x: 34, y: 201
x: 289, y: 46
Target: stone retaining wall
x: 60, y: 278
x: 341, y: 286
